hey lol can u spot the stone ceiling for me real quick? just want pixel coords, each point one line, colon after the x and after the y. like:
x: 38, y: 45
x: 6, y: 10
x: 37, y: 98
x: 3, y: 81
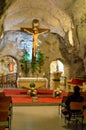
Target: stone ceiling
x: 51, y: 13
x: 58, y: 15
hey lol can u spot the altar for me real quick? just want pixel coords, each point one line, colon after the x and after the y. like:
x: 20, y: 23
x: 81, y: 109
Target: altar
x: 26, y: 81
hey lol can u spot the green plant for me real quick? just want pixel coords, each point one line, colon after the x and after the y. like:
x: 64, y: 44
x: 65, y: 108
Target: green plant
x: 38, y: 63
x: 25, y: 64
x: 35, y: 66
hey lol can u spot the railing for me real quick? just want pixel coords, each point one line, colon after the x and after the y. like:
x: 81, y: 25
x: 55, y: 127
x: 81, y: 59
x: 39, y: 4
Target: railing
x: 8, y: 81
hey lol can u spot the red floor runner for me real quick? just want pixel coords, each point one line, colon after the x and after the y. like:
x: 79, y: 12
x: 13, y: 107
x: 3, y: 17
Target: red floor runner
x: 65, y: 93
x: 49, y: 100
x: 22, y: 100
x: 39, y: 100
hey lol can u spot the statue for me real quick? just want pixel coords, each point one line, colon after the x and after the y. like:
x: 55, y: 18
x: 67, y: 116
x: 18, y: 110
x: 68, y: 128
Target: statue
x: 11, y: 66
x: 35, y: 31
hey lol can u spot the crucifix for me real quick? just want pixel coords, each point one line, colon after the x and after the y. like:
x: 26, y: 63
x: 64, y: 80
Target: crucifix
x: 35, y: 31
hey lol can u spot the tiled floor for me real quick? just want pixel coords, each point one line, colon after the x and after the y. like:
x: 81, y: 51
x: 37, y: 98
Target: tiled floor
x: 38, y: 118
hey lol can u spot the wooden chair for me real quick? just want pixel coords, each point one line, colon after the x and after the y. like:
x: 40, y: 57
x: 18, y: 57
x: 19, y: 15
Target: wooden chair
x: 82, y: 120
x: 76, y: 109
x: 63, y: 105
x: 75, y: 112
x: 76, y: 106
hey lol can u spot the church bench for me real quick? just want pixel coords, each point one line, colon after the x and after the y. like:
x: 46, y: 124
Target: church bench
x: 2, y: 128
x: 76, y: 81
x: 5, y: 111
x: 2, y: 94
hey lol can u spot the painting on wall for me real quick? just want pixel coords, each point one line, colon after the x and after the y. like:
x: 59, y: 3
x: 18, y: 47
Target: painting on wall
x: 7, y: 65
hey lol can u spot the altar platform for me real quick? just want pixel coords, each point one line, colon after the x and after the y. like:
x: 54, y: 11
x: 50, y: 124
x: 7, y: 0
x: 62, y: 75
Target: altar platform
x: 43, y: 97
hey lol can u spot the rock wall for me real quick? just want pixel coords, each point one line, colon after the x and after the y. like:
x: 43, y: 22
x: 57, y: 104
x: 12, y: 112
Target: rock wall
x: 63, y: 18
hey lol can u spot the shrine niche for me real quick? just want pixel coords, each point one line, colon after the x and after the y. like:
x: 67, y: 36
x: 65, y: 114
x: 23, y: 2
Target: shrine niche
x: 7, y: 65
x: 11, y: 66
x: 8, y: 72
x: 57, y: 77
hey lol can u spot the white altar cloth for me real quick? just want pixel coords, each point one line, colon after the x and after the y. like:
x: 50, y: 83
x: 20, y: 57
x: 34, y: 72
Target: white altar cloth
x: 26, y: 81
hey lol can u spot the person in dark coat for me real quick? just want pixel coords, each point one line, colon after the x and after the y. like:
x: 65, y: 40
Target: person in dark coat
x: 74, y: 97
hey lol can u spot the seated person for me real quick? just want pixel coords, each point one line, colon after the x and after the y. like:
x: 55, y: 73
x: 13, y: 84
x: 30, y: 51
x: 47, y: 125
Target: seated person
x: 75, y: 97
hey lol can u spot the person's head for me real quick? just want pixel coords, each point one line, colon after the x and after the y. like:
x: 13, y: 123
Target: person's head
x: 76, y: 89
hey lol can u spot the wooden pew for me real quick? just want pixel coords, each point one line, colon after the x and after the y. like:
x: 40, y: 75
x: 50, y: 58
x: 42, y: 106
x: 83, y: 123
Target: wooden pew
x: 2, y: 94
x: 5, y: 111
x: 4, y: 122
x: 2, y: 128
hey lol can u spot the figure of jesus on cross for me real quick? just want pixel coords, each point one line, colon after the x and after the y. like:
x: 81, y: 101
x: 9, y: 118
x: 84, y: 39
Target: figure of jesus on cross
x: 35, y: 31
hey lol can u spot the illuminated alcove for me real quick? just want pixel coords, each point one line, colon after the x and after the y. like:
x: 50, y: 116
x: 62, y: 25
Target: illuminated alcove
x: 57, y: 67
x: 8, y: 65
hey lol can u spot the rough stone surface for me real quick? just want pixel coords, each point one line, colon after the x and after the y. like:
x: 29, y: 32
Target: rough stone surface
x: 61, y: 17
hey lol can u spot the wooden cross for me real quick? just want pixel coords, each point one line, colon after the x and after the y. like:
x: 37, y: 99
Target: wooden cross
x: 35, y: 31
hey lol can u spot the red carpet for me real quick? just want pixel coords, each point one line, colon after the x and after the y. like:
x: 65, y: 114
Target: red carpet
x: 22, y: 100
x: 15, y: 91
x: 19, y: 96
x: 31, y: 101
x: 49, y: 100
x: 64, y: 93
